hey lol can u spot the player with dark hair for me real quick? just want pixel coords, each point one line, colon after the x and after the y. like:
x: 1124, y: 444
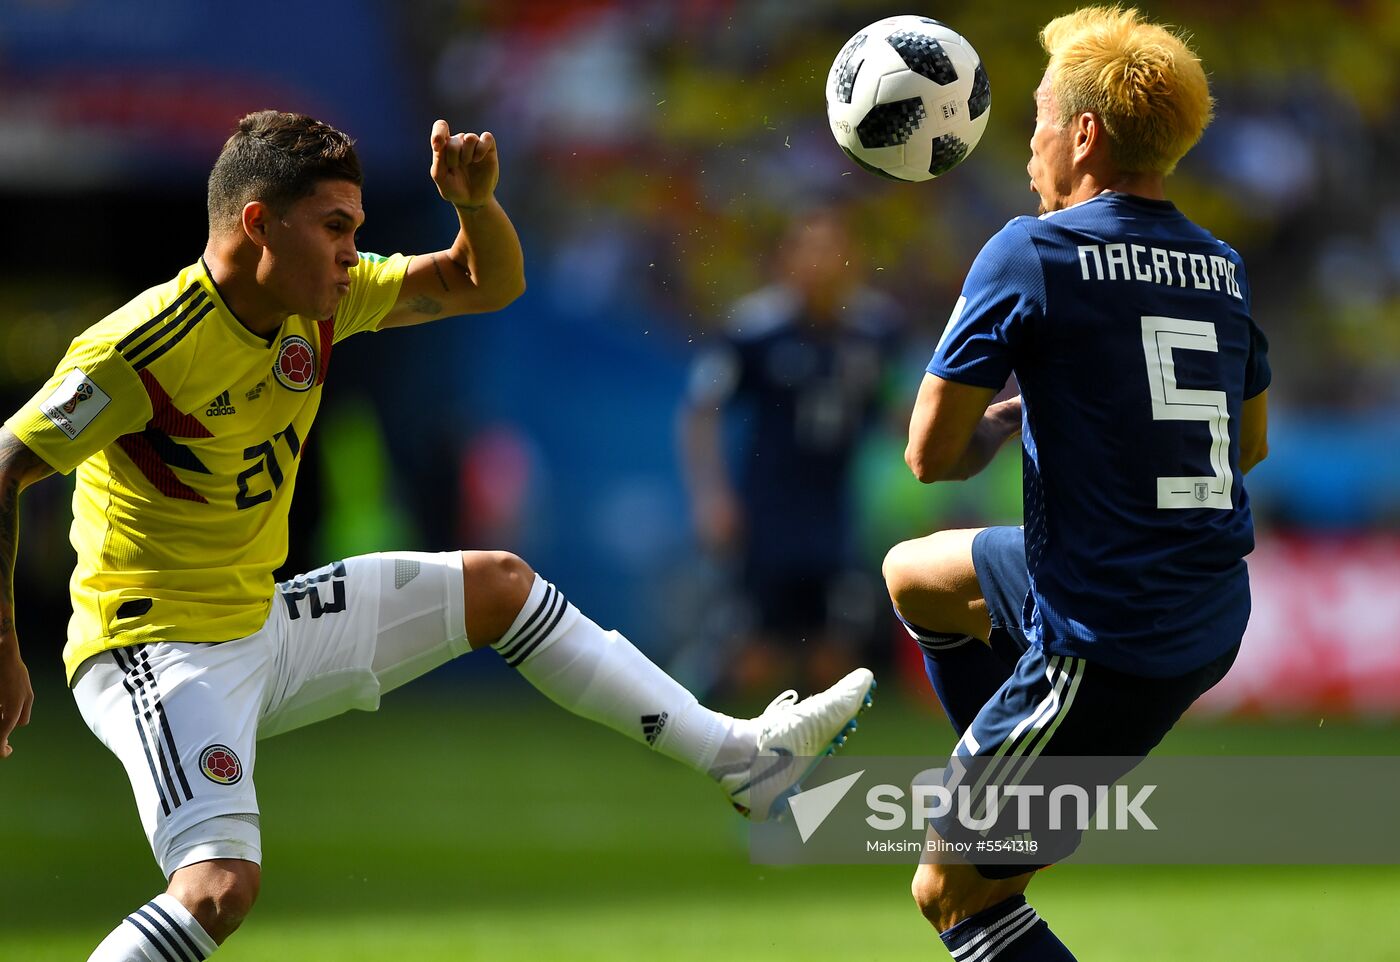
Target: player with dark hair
x: 185, y: 413
x: 1143, y: 379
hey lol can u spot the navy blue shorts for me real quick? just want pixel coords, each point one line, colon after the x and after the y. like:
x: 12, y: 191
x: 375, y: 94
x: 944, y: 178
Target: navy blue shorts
x: 1058, y: 705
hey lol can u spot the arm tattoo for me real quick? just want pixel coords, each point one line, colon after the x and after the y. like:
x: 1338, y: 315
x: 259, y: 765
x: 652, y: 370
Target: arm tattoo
x: 423, y: 304
x: 438, y: 270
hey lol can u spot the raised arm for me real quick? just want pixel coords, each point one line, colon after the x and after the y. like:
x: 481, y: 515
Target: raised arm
x: 484, y: 269
x: 19, y: 468
x: 955, y: 432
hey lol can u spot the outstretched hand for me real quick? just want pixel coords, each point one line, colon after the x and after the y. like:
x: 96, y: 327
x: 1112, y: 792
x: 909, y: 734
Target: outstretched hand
x: 16, y: 694
x: 465, y: 166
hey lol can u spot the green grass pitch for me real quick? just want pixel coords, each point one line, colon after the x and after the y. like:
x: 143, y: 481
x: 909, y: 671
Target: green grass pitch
x: 446, y: 827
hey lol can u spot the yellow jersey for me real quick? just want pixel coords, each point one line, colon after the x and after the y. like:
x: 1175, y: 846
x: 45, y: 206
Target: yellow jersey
x: 186, y: 430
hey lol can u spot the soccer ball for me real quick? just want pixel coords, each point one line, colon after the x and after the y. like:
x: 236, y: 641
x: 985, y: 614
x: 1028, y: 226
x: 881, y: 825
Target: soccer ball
x: 907, y: 98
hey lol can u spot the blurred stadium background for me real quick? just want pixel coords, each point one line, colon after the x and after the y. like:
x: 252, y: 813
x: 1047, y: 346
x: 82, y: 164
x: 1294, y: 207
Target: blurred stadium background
x: 652, y: 152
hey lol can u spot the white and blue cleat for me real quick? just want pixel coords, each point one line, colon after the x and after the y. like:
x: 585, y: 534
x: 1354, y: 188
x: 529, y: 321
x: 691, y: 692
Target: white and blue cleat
x: 793, y: 738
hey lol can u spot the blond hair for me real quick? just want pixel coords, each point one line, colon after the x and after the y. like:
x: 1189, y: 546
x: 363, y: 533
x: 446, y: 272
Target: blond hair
x: 1143, y: 82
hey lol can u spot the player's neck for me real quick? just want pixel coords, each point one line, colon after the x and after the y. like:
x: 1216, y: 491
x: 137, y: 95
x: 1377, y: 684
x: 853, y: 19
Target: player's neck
x: 237, y: 280
x: 1150, y: 186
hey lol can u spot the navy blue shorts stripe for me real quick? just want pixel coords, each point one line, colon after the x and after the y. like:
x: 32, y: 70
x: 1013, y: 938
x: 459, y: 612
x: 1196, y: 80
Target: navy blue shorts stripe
x: 1023, y: 718
x: 1070, y: 673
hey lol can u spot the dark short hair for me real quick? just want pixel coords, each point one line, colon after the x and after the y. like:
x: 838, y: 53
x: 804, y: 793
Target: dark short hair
x: 277, y: 158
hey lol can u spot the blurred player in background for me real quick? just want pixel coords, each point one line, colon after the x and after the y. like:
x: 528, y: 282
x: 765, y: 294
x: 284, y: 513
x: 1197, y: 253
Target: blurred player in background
x: 1143, y: 381
x: 802, y: 367
x: 186, y: 413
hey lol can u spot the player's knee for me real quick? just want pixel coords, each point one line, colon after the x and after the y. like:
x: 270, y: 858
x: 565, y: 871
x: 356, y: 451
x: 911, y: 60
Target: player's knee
x: 898, y: 575
x: 911, y: 578
x: 499, y: 575
x: 497, y: 584
x: 931, y: 894
x: 947, y: 894
x: 219, y: 893
x: 933, y: 582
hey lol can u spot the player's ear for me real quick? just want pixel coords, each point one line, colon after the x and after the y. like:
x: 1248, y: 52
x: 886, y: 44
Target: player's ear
x: 255, y: 219
x: 1087, y: 136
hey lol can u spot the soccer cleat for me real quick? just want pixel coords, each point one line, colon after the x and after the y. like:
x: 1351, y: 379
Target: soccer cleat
x: 793, y: 738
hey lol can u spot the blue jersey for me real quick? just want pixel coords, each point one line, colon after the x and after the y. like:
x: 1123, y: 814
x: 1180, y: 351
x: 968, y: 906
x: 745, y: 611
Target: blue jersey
x: 807, y: 394
x: 1129, y: 330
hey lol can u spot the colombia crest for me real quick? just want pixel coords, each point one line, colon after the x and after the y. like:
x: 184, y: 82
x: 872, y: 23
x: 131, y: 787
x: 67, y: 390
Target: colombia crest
x: 295, y: 367
x: 219, y: 764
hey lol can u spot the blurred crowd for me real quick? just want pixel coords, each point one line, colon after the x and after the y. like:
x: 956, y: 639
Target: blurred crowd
x: 666, y: 144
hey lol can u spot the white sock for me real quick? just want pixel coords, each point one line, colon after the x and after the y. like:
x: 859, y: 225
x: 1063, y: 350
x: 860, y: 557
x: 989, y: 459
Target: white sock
x: 601, y: 676
x: 162, y: 930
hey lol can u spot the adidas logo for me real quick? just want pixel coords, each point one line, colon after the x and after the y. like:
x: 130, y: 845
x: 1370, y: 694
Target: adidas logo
x: 652, y: 726
x: 221, y: 405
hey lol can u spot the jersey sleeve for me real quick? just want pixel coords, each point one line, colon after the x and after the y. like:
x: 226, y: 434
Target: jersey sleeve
x: 374, y: 287
x: 93, y: 398
x: 1257, y: 373
x: 1004, y: 291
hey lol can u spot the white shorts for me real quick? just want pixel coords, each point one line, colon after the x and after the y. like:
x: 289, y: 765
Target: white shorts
x: 185, y: 718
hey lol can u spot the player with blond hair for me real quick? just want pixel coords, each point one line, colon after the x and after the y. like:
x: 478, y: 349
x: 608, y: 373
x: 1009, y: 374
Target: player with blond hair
x: 1089, y: 631
x: 185, y: 414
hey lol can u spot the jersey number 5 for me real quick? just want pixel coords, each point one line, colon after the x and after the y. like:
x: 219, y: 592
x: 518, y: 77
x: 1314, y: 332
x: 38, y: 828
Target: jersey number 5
x: 1161, y: 336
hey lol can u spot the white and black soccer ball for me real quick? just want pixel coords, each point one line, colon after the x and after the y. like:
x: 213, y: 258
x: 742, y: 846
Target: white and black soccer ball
x: 908, y: 98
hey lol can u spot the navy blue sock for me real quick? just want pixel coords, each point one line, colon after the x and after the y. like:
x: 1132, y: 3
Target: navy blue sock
x: 1009, y: 931
x: 964, y: 672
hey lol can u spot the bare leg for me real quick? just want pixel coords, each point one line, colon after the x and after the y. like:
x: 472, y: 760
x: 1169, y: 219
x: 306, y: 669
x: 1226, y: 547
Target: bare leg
x: 933, y: 583
x: 219, y: 893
